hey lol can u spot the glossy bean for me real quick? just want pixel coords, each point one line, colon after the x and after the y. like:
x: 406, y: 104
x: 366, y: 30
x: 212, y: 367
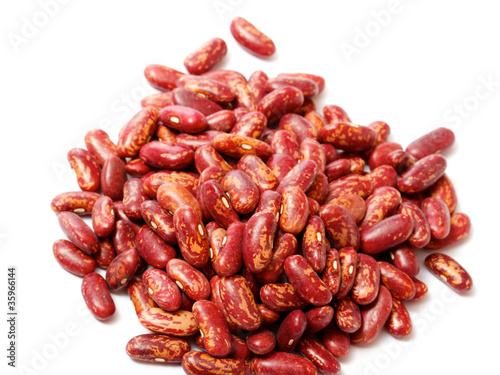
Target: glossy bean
x: 340, y: 226
x: 277, y: 363
x: 421, y: 234
x: 336, y: 341
x: 206, y: 56
x: 448, y: 270
x: 280, y: 102
x: 189, y: 279
x: 396, y: 281
x: 183, y: 118
x: 199, y: 363
x: 382, y: 202
x: 258, y: 241
x: 387, y: 233
x: 121, y: 270
x: 251, y: 38
x: 367, y: 280
x: 423, y: 174
x: 436, y: 141
x: 78, y: 202
x: 262, y: 341
x: 320, y: 356
x: 460, y: 226
x: 155, y: 348
x: 137, y: 132
x: 162, y: 77
x: 347, y: 315
x: 228, y: 259
x: 294, y: 211
x: 348, y: 259
x: 399, y: 321
x: 99, y: 144
x: 290, y: 330
x: 178, y: 323
x: 113, y: 177
x: 162, y: 289
x: 319, y: 318
x: 214, y: 90
x: 97, y: 296
x: 281, y: 297
x: 213, y: 327
x: 437, y: 215
x: 73, y: 259
x: 86, y: 168
x: 299, y: 126
x: 78, y: 232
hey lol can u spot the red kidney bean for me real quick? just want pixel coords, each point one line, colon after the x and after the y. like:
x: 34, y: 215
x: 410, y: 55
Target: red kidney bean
x: 78, y: 232
x: 306, y: 282
x: 137, y: 132
x: 236, y: 146
x: 373, y: 317
x: 223, y: 120
x: 334, y: 113
x: 348, y: 260
x: 400, y: 160
x: 367, y: 280
x: 399, y: 321
x: 337, y: 168
x: 162, y: 289
x: 423, y: 174
x: 152, y: 182
x: 244, y: 98
x: 152, y: 248
x: 299, y: 126
x: 178, y: 323
x: 294, y: 211
x: 239, y: 302
x: 280, y: 102
x: 436, y: 141
x: 106, y: 253
x: 121, y: 270
x: 157, y: 100
x: 213, y: 327
x: 403, y: 256
x: 420, y: 289
x: 171, y: 196
x: 79, y: 202
x: 323, y: 359
x: 331, y: 273
x: 460, y: 226
x: 385, y: 175
x: 206, y: 56
x: 443, y: 189
x: 351, y: 184
x: 199, y: 363
x: 189, y: 279
x: 261, y: 341
x: 379, y: 154
x: 137, y: 168
x: 251, y: 38
x: 113, y: 177
x: 250, y: 125
x: 381, y: 203
x: 258, y: 241
x: 103, y: 216
x: 100, y: 145
x: 354, y: 204
x: 276, y: 363
x: 319, y: 123
x: 97, y: 297
x: 239, y: 348
x: 207, y: 156
x: 120, y: 215
x: 218, y: 203
x: 319, y: 188
x: 133, y: 196
x: 256, y: 84
x: 228, y: 259
x: 155, y: 348
x: 270, y: 201
x: 166, y: 134
x: 214, y: 90
x: 387, y: 233
x: 258, y: 171
x: 308, y: 87
x: 242, y: 191
x: 162, y: 77
x: 357, y: 163
x: 301, y: 176
x: 215, y: 297
x: 396, y: 281
x: 382, y: 129
x: 86, y: 168
x: 73, y: 259
x: 123, y: 237
x: 448, y: 270
x: 284, y: 142
x: 139, y: 295
x: 318, y: 318
x: 340, y: 226
x: 336, y: 341
x: 183, y: 118
x: 348, y: 136
x: 437, y: 215
x: 161, y: 155
x: 421, y: 234
x: 314, y: 243
x: 159, y: 221
x: 284, y: 245
x: 290, y: 330
x: 347, y: 315
x: 281, y: 297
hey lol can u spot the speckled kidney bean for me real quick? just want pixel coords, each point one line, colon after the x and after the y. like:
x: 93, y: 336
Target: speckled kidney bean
x: 139, y: 295
x: 448, y: 270
x: 137, y: 132
x: 280, y: 102
x: 120, y: 215
x: 171, y: 196
x: 340, y: 226
x: 100, y: 145
x: 281, y: 297
x: 270, y: 201
x: 319, y: 188
x: 404, y: 257
x: 320, y: 356
x: 285, y: 245
x: 350, y: 184
x: 301, y: 176
x: 223, y: 120
x: 155, y: 348
x: 214, y: 90
x: 354, y: 204
x: 290, y: 330
x: 379, y: 154
x: 213, y: 327
x: 251, y: 38
x: 443, y: 189
x: 367, y: 280
x: 262, y: 341
x: 420, y: 289
x: 103, y: 216
x: 436, y: 141
x: 236, y: 146
x: 243, y: 193
x: 335, y: 113
x: 121, y: 270
x: 312, y: 150
x: 157, y: 100
x: 421, y: 234
x: 78, y: 232
x: 258, y: 241
x: 240, y: 303
x: 162, y: 77
x: 460, y: 226
x: 244, y: 97
x: 284, y: 142
x: 348, y: 260
x: 200, y: 363
x: 336, y: 341
x: 331, y: 273
x: 356, y: 161
x: 308, y: 87
x: 258, y: 171
x: 206, y: 56
x: 437, y: 215
x: 97, y: 296
x: 382, y: 202
x: 73, y: 259
x: 256, y: 84
x: 159, y: 221
x: 152, y: 248
x: 337, y: 168
x: 218, y: 203
x: 189, y: 279
x: 387, y: 233
x: 347, y: 315
x: 178, y: 323
x: 153, y: 181
x: 162, y: 289
x: 299, y: 126
x: 384, y: 175
x: 86, y: 168
x: 182, y: 118
x: 399, y: 321
x: 123, y: 237
x: 251, y: 124
x: 423, y: 174
x: 396, y: 281
x: 313, y: 243
x: 294, y: 211
x: 228, y: 259
x: 277, y: 363
x: 306, y: 282
x: 113, y: 177
x: 382, y: 129
x: 106, y: 252
x: 215, y: 297
x: 374, y: 316
x: 348, y: 136
x: 318, y: 318
x: 137, y: 168
x: 133, y: 196
x: 78, y: 202
x: 400, y: 160
x: 165, y: 134
x: 161, y: 155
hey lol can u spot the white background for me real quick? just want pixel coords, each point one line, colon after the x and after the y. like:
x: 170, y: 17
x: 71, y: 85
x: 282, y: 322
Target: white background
x: 77, y: 66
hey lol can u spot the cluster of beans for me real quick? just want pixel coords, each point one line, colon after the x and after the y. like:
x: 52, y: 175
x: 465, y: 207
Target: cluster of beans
x: 240, y: 218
